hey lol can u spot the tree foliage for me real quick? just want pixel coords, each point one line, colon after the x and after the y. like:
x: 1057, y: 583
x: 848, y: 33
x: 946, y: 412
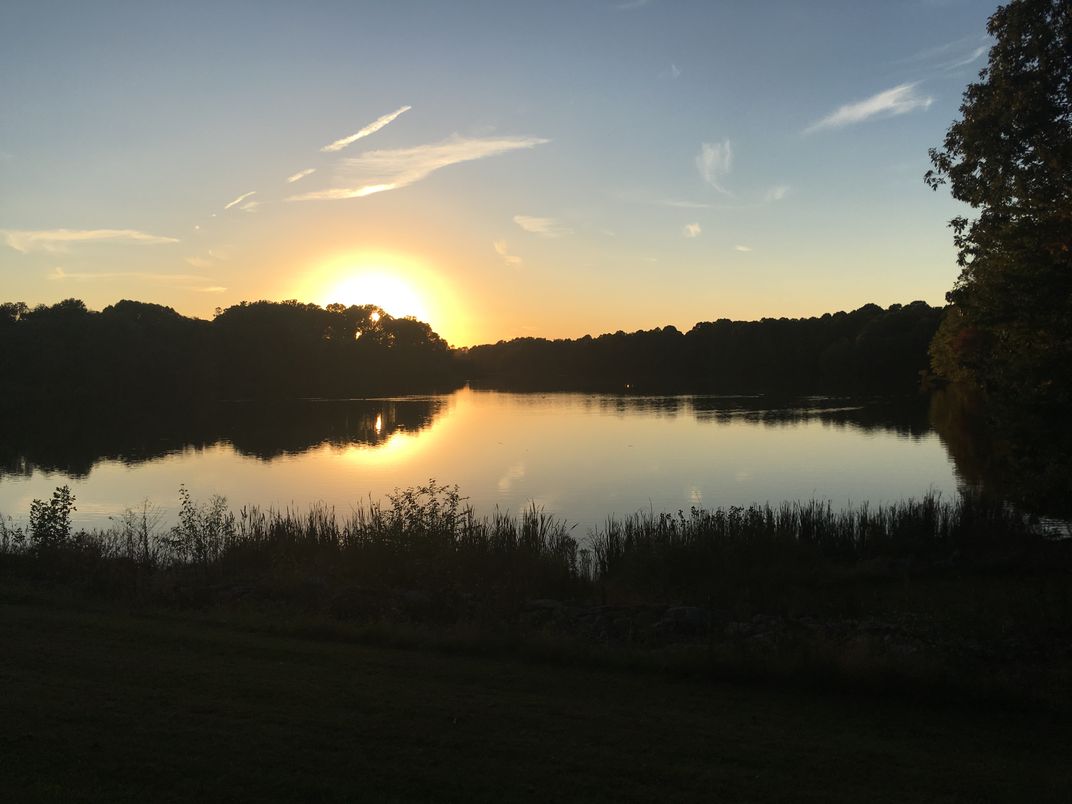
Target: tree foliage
x: 866, y: 350
x: 50, y: 522
x: 137, y: 352
x: 1009, y: 157
x: 139, y: 356
x: 1008, y: 331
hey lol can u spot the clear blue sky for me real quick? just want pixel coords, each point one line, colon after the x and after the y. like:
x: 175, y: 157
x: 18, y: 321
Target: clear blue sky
x: 561, y: 168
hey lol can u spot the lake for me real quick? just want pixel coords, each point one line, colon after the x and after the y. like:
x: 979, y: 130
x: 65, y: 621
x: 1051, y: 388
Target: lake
x: 579, y: 456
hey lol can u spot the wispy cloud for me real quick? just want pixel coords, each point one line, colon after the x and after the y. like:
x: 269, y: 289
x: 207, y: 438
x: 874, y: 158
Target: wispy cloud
x: 214, y: 256
x: 250, y: 206
x: 340, y: 193
x: 301, y: 174
x: 380, y: 171
x: 691, y: 230
x: 742, y: 248
x: 714, y: 161
x: 546, y: 227
x: 60, y: 275
x: 58, y: 240
x: 964, y: 61
x: 371, y: 128
x: 180, y: 281
x: 503, y: 250
x: 951, y: 55
x: 898, y: 100
x: 678, y: 203
x: 776, y: 193
x: 240, y: 199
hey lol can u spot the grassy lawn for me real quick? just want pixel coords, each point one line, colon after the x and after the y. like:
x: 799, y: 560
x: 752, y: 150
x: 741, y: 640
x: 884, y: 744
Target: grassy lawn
x: 109, y: 706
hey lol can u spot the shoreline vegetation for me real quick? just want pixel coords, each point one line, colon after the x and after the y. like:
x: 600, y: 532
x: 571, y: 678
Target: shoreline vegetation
x: 151, y: 355
x: 962, y: 599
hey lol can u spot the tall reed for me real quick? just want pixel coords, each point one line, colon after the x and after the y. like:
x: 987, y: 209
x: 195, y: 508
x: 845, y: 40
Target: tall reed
x: 430, y: 539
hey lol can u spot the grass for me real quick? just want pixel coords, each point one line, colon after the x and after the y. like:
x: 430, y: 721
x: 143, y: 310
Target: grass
x: 393, y: 655
x: 105, y: 705
x: 963, y: 595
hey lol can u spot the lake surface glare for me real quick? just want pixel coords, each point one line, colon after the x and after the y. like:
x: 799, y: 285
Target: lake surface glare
x: 581, y: 457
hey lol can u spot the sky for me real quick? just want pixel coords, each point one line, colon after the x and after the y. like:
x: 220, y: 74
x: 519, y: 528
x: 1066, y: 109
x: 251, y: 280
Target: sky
x: 498, y: 169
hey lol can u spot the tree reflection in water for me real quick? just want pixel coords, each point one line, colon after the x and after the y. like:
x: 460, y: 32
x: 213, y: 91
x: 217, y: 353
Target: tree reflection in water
x: 1009, y: 462
x: 1013, y: 459
x: 72, y: 442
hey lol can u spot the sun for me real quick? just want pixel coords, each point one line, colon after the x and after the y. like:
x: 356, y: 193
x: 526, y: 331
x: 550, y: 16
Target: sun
x: 395, y: 295
x: 400, y: 284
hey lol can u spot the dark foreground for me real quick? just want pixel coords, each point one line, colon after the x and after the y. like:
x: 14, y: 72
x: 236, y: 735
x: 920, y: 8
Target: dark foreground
x: 99, y: 704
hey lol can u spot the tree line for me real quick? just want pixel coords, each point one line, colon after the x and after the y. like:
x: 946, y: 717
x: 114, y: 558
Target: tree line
x: 138, y: 352
x: 870, y: 350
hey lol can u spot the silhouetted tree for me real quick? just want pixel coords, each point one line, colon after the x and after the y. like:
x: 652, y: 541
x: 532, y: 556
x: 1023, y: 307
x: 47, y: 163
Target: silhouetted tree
x: 136, y: 353
x: 1008, y: 332
x: 11, y: 312
x: 1010, y: 157
x: 867, y: 350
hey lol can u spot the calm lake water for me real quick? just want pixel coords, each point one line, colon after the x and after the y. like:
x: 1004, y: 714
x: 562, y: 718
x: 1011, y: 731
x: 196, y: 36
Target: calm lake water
x: 580, y: 456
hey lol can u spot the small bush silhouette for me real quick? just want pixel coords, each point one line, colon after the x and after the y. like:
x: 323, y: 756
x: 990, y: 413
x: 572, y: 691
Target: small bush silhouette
x: 50, y: 522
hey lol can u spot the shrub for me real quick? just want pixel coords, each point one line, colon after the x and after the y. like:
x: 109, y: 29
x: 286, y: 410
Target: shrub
x: 50, y: 522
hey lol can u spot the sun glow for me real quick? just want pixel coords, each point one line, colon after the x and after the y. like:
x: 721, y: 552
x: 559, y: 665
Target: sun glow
x: 397, y: 449
x: 399, y: 285
x: 392, y: 293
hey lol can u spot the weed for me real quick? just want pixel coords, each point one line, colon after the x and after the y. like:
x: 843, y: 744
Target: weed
x: 203, y: 532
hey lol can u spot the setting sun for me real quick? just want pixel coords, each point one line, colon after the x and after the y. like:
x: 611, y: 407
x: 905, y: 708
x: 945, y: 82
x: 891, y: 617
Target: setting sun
x: 391, y: 292
x: 401, y: 285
